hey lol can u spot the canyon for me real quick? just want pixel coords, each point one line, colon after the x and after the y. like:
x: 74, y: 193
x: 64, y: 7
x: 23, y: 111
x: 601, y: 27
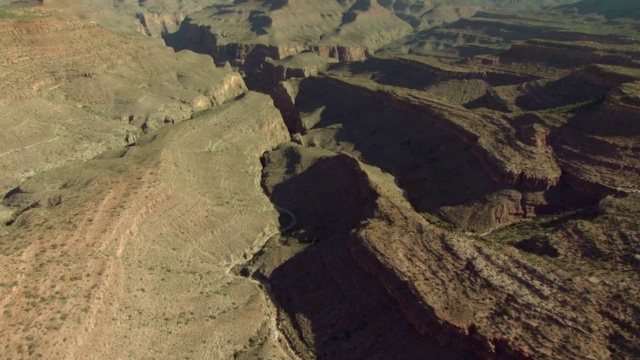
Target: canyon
x: 301, y: 179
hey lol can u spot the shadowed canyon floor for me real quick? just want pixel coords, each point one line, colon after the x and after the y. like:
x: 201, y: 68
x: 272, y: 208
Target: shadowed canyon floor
x: 320, y: 179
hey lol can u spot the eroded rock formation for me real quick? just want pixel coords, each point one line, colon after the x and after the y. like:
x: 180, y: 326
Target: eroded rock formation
x: 443, y: 180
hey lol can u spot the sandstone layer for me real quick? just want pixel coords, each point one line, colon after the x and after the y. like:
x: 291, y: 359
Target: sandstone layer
x: 417, y: 179
x: 127, y: 255
x: 496, y: 225
x: 74, y: 89
x: 253, y: 30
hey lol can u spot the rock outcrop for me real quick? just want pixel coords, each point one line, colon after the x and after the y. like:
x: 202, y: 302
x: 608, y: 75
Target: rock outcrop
x: 493, y: 302
x: 143, y: 240
x: 463, y: 190
x: 298, y: 66
x: 426, y: 133
x: 249, y: 32
x: 488, y: 299
x: 75, y: 89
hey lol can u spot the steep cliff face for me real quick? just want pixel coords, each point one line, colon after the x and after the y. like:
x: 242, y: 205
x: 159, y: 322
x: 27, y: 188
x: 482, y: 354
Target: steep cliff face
x: 301, y: 276
x: 448, y: 207
x: 249, y: 32
x: 284, y: 98
x: 529, y: 163
x: 552, y: 154
x: 298, y: 66
x: 426, y: 153
x: 89, y: 90
x: 490, y: 299
x: 506, y: 308
x: 159, y: 24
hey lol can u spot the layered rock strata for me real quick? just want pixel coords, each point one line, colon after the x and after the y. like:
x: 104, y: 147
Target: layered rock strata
x: 128, y: 254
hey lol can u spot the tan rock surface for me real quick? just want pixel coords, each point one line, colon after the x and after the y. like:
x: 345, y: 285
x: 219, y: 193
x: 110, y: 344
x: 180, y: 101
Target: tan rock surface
x: 253, y: 30
x: 494, y: 298
x: 72, y: 89
x: 478, y: 203
x: 477, y: 294
x: 129, y: 255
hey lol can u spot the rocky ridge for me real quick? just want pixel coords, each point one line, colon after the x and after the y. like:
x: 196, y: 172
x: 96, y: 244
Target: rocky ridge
x: 251, y: 31
x: 481, y: 203
x: 539, y: 143
x: 88, y: 90
x: 254, y: 30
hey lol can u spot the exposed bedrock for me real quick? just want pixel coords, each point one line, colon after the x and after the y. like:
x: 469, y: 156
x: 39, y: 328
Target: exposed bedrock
x: 589, y: 84
x: 449, y: 161
x: 299, y: 66
x: 331, y: 309
x: 246, y: 33
x: 565, y: 55
x: 487, y: 301
x: 417, y: 207
x: 508, y: 308
x: 599, y: 148
x: 419, y: 73
x: 79, y: 107
x: 159, y: 24
x: 284, y: 99
x: 200, y: 39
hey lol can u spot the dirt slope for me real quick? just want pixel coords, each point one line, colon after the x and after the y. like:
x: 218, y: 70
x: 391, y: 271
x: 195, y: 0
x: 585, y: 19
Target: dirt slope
x: 129, y: 254
x: 417, y: 180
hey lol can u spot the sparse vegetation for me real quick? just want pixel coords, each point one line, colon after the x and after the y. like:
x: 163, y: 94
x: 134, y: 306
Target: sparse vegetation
x: 475, y: 180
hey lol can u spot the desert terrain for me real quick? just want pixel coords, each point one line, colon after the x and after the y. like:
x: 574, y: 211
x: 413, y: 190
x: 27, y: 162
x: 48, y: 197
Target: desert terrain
x: 307, y: 179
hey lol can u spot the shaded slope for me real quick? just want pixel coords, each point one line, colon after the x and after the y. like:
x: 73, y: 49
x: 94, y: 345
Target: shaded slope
x: 487, y: 298
x: 611, y: 9
x: 331, y: 309
x: 253, y: 30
